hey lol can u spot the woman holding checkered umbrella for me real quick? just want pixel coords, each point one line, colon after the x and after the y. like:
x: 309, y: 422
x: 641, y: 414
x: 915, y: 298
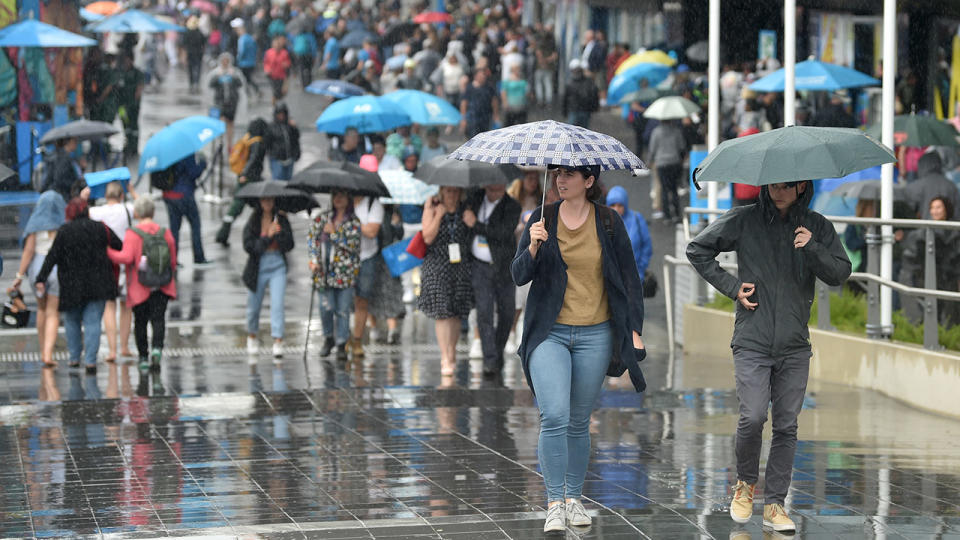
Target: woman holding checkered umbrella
x: 584, y: 312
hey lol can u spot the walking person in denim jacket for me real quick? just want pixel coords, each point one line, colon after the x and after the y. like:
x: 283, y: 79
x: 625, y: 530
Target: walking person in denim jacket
x: 583, y: 322
x: 334, y: 244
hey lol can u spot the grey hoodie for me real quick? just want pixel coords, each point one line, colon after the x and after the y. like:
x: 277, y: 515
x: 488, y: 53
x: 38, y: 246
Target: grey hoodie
x: 931, y: 183
x: 784, y: 276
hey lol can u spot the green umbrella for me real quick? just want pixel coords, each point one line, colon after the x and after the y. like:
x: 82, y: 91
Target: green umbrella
x: 791, y: 154
x: 917, y: 130
x: 671, y: 108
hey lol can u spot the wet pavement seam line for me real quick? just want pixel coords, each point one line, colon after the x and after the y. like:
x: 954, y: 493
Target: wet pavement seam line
x: 136, y: 477
x: 250, y: 478
x: 184, y: 468
x: 23, y: 476
x: 83, y: 487
x: 415, y: 471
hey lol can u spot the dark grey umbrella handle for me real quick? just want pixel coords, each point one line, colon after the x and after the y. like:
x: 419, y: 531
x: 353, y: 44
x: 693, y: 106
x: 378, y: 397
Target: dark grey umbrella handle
x: 695, y: 183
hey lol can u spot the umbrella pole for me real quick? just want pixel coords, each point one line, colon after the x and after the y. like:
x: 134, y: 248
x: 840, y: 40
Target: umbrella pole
x: 543, y: 201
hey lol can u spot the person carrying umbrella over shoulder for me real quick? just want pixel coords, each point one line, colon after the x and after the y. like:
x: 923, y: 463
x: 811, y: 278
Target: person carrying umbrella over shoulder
x: 583, y: 320
x: 255, y: 146
x: 782, y: 248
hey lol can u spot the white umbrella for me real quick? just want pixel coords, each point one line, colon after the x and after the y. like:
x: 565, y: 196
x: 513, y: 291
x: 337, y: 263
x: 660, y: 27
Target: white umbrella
x: 671, y: 108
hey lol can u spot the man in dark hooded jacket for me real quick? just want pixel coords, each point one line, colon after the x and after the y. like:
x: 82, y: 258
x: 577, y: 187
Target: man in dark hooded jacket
x: 930, y: 184
x: 283, y: 143
x: 782, y: 248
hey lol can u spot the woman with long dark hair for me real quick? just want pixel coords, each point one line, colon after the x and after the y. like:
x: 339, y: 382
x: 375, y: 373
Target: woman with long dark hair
x: 267, y: 237
x: 583, y: 321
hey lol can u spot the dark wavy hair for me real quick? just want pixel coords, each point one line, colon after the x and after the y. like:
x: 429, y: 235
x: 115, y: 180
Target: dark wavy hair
x: 594, y: 192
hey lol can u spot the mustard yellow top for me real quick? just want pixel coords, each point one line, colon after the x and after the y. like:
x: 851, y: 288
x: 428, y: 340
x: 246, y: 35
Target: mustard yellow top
x: 585, y: 300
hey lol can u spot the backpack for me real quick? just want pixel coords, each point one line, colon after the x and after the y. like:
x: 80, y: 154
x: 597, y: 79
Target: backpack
x: 157, y: 271
x: 241, y: 152
x: 163, y: 180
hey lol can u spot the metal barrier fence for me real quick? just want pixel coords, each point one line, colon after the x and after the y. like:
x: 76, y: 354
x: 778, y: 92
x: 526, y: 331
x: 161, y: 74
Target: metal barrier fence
x: 929, y: 294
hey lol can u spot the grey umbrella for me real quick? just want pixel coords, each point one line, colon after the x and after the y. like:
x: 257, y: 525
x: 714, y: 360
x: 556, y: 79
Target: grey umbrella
x: 80, y: 129
x: 699, y: 51
x: 441, y: 171
x: 864, y: 189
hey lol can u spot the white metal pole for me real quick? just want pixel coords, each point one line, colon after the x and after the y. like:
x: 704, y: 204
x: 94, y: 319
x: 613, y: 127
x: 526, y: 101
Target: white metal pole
x: 886, y: 178
x: 789, y: 62
x: 713, y: 96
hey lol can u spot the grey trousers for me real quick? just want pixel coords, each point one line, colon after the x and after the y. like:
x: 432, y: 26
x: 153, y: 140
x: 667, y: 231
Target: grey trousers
x: 493, y: 295
x: 779, y: 383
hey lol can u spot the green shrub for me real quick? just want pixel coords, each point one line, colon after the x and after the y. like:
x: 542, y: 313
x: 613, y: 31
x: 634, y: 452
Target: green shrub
x: 848, y: 313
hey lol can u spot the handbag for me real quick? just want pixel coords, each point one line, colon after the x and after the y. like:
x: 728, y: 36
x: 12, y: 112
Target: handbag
x: 15, y: 312
x: 398, y: 257
x: 650, y: 284
x: 417, y: 246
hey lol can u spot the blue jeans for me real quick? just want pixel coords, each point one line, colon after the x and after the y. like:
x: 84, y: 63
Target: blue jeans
x: 339, y: 303
x: 87, y: 340
x: 273, y: 272
x: 279, y: 171
x: 567, y: 370
x: 579, y: 118
x: 177, y: 209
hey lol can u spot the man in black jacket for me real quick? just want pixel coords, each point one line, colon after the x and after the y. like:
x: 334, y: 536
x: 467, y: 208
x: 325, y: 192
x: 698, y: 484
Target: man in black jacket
x: 284, y: 144
x: 782, y: 248
x: 492, y: 216
x: 581, y: 97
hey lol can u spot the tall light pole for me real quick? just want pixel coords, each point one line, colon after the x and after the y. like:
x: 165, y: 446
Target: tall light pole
x: 789, y: 62
x: 713, y: 95
x: 886, y: 174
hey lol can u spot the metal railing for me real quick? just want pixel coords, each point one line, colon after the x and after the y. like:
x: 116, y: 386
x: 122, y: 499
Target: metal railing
x: 929, y: 294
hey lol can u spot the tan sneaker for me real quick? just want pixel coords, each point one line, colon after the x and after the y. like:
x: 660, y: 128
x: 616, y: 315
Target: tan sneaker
x: 775, y: 517
x: 741, y: 507
x: 356, y: 347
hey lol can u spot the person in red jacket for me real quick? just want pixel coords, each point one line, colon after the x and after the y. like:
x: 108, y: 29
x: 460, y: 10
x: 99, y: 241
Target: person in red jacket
x: 276, y: 64
x: 149, y: 304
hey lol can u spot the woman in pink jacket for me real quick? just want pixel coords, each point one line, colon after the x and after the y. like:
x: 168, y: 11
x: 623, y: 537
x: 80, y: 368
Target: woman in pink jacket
x: 150, y: 279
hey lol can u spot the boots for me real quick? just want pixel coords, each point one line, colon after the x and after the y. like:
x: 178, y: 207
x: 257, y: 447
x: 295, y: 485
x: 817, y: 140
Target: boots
x: 342, y: 352
x: 327, y: 346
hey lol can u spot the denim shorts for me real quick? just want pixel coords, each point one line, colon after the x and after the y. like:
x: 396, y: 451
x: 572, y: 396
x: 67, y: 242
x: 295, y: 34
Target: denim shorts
x: 367, y: 279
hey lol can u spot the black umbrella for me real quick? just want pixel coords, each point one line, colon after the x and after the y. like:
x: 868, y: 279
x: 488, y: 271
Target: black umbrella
x: 397, y: 33
x: 80, y: 129
x: 442, y: 171
x: 286, y: 198
x: 327, y: 176
x: 6, y: 172
x: 355, y: 39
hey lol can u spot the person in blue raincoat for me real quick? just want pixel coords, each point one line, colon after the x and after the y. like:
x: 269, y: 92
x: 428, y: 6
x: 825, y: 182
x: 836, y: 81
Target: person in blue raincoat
x: 618, y: 199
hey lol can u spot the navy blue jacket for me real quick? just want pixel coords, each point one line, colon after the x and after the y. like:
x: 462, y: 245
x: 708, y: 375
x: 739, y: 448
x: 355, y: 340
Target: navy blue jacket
x: 549, y: 275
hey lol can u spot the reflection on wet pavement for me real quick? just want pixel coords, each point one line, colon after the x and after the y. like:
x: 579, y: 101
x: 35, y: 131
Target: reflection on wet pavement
x: 385, y: 448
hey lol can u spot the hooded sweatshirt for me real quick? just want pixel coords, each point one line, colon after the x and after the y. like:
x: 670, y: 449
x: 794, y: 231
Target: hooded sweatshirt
x: 783, y: 276
x: 931, y: 183
x: 636, y: 228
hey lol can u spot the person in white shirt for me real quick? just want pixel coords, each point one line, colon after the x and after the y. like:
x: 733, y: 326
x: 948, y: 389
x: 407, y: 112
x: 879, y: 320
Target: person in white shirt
x: 117, y: 214
x: 370, y: 213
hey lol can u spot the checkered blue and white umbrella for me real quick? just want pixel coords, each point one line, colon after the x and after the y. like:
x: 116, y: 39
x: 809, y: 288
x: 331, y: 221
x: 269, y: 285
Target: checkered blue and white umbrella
x: 405, y: 189
x: 548, y: 143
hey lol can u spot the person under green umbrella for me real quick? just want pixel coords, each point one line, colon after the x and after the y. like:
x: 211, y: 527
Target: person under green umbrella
x: 782, y: 248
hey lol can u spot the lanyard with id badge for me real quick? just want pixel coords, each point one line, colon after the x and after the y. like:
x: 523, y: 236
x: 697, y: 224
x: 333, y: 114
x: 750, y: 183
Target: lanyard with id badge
x: 453, y: 248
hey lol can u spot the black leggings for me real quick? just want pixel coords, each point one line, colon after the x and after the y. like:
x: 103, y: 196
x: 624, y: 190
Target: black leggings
x: 669, y: 182
x: 153, y: 310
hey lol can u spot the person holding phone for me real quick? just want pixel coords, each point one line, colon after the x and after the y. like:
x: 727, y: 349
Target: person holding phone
x: 446, y: 290
x: 583, y: 321
x: 267, y: 237
x: 782, y: 248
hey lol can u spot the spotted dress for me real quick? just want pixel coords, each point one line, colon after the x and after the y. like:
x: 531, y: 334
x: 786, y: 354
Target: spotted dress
x: 342, y: 254
x: 445, y: 289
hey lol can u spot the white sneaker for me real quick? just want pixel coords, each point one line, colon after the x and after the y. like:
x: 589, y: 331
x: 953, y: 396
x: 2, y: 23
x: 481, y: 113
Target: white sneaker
x: 476, y: 349
x: 512, y: 344
x: 555, y: 519
x: 253, y: 346
x: 277, y: 349
x: 374, y: 335
x: 577, y: 514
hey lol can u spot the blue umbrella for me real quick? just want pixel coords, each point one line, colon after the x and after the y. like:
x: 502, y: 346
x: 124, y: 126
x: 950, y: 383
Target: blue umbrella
x: 354, y: 39
x: 132, y: 21
x: 629, y: 80
x: 423, y: 108
x: 367, y: 114
x: 177, y: 141
x: 32, y: 33
x: 337, y: 89
x: 872, y: 173
x: 97, y: 181
x: 815, y: 75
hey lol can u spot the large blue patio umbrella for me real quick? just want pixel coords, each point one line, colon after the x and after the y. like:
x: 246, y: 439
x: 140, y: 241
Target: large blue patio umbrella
x: 423, y: 108
x: 33, y: 33
x: 177, y: 141
x: 629, y: 80
x: 815, y: 75
x: 132, y: 21
x: 368, y: 114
